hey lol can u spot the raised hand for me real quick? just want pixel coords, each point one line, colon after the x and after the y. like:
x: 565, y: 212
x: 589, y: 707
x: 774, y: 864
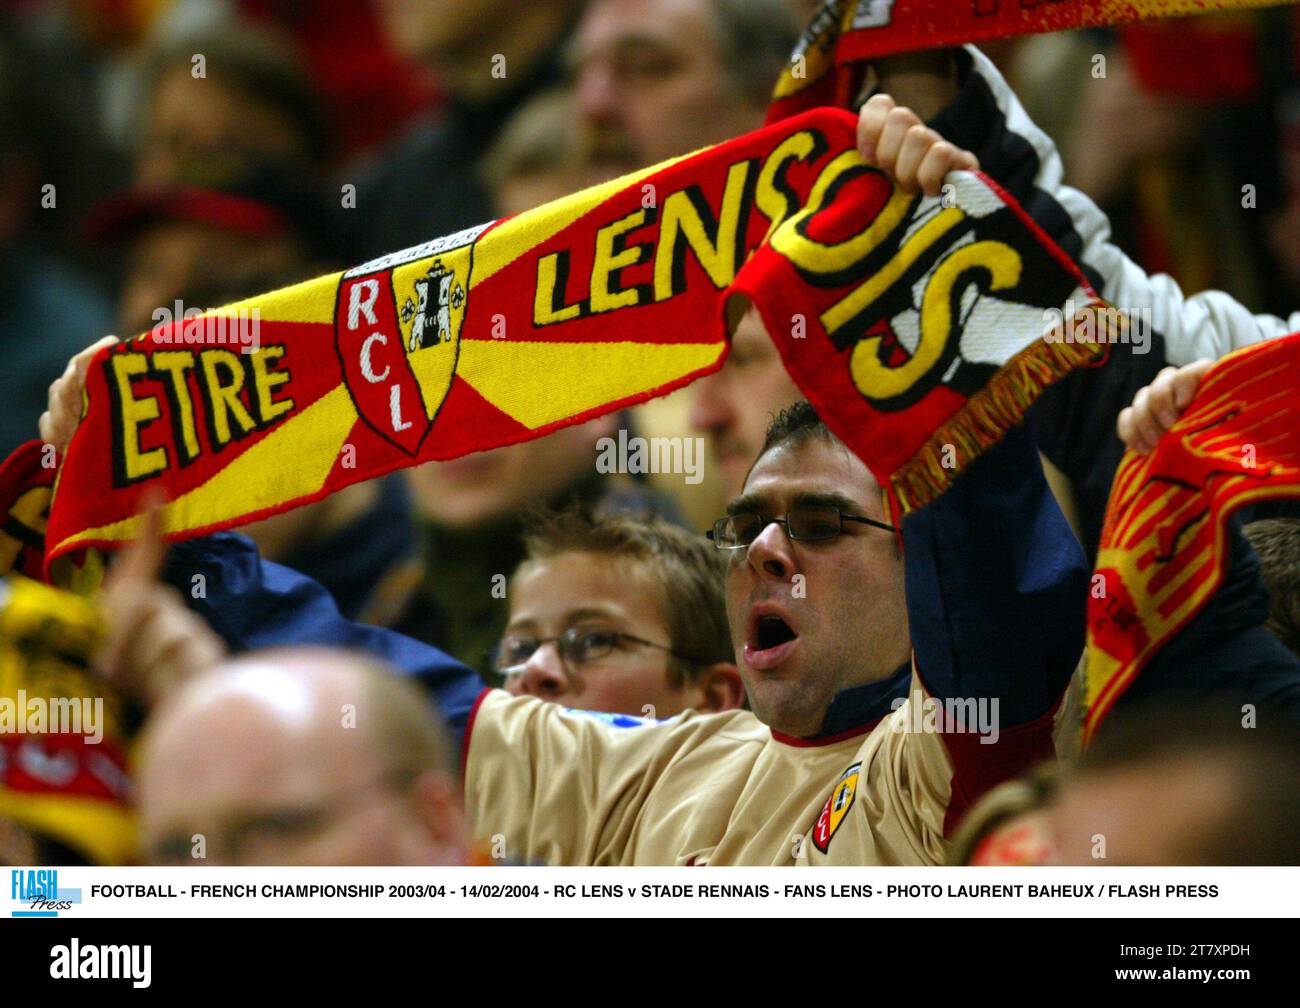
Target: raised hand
x: 895, y: 139
x: 153, y: 643
x: 63, y: 412
x: 1157, y: 406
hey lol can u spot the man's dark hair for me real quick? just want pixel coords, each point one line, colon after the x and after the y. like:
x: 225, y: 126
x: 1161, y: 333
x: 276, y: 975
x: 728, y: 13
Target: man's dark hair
x: 689, y: 571
x: 1277, y: 542
x: 796, y: 424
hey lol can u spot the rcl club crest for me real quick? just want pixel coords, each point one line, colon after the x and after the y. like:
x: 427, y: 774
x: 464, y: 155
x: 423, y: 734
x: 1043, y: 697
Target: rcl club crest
x: 836, y: 808
x: 397, y: 326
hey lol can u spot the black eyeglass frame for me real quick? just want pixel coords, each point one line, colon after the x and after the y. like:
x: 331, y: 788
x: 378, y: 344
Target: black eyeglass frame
x: 565, y: 642
x: 715, y: 533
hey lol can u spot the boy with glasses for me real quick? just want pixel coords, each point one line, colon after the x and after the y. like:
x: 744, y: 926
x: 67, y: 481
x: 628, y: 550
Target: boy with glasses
x: 618, y: 614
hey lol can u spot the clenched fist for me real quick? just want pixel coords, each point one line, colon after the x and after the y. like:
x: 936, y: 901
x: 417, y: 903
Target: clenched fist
x: 63, y: 412
x: 1157, y: 406
x: 896, y: 140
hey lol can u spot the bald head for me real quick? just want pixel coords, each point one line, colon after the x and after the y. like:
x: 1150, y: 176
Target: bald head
x: 305, y: 756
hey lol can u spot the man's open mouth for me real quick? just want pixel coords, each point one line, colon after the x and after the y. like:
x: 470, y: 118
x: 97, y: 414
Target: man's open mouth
x: 770, y: 640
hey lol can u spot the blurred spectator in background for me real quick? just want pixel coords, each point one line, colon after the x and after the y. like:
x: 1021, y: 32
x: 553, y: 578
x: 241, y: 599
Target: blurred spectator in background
x: 1142, y: 151
x: 1182, y: 785
x: 249, y: 229
x: 488, y: 56
x: 1276, y: 542
x: 539, y: 156
x: 651, y: 80
x: 656, y: 78
x: 186, y: 247
x: 224, y: 98
x: 303, y: 757
x: 1009, y: 826
x: 633, y: 613
x: 1184, y: 133
x: 369, y: 90
x: 48, y: 307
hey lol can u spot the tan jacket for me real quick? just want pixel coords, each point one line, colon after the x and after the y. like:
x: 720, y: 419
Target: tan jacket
x: 570, y: 788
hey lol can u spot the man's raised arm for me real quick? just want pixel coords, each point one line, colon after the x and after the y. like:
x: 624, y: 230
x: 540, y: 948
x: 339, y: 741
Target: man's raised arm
x: 996, y: 592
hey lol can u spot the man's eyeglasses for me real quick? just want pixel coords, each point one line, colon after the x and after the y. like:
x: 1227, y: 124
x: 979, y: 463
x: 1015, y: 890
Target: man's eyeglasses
x: 267, y: 833
x: 802, y: 524
x: 577, y: 646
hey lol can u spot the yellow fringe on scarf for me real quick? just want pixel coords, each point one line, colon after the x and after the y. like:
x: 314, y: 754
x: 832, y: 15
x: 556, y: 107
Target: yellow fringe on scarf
x: 995, y: 409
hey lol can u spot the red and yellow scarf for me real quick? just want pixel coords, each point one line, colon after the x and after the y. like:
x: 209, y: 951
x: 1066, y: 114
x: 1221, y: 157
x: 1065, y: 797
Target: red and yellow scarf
x: 1163, y: 550
x: 829, y: 62
x: 894, y: 314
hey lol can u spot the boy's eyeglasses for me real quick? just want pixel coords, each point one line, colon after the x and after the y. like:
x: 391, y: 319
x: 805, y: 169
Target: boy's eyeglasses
x: 577, y: 646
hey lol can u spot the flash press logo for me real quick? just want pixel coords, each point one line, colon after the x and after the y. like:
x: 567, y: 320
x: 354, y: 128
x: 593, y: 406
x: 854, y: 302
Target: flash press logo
x: 37, y: 890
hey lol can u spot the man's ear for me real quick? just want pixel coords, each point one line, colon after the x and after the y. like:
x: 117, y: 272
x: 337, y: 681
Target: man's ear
x: 720, y: 687
x: 438, y: 804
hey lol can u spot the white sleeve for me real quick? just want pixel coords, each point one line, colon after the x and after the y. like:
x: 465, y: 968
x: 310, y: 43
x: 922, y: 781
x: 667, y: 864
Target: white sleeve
x: 1206, y: 324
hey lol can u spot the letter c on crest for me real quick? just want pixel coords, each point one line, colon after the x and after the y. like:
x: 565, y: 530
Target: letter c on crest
x: 366, y: 370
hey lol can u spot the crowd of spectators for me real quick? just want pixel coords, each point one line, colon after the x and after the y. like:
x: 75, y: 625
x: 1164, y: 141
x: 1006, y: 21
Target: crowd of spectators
x: 190, y: 153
